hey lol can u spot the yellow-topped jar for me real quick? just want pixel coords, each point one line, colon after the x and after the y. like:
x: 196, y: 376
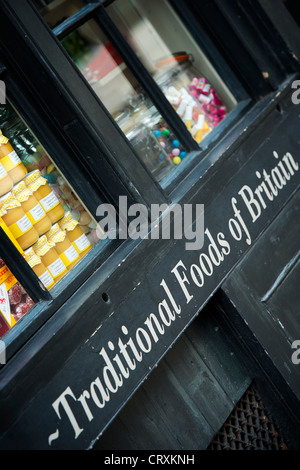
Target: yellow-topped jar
x: 63, y: 246
x: 17, y: 221
x: 10, y: 161
x: 39, y: 268
x: 32, y: 208
x: 75, y: 234
x: 40, y: 188
x: 6, y: 183
x: 50, y: 258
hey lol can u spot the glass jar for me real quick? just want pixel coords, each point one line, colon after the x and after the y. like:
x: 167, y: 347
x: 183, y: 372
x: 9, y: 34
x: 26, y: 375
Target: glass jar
x: 63, y: 246
x: 6, y: 183
x: 10, y: 160
x: 75, y: 234
x: 17, y: 221
x: 32, y: 208
x: 39, y: 268
x: 191, y: 95
x: 50, y: 258
x: 8, y: 232
x: 40, y: 188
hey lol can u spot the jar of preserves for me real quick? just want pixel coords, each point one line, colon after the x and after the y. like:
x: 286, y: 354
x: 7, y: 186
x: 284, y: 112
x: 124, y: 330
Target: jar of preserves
x: 50, y: 258
x: 63, y: 246
x: 17, y: 221
x: 10, y: 160
x: 6, y: 183
x: 75, y: 234
x: 32, y: 208
x: 42, y: 191
x: 39, y: 268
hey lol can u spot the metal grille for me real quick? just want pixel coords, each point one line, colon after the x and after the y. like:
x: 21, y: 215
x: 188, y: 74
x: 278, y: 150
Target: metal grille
x: 249, y: 427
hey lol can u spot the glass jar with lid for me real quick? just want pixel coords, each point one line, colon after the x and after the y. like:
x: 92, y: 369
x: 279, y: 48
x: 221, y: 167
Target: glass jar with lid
x: 75, y: 234
x: 50, y: 258
x: 192, y: 96
x: 17, y: 221
x: 6, y: 183
x: 32, y: 208
x: 10, y: 160
x: 42, y: 191
x: 39, y: 268
x: 58, y: 237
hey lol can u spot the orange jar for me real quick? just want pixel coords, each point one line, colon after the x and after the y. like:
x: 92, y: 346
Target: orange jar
x: 6, y: 183
x: 32, y: 208
x: 75, y: 234
x: 43, y: 193
x: 63, y: 246
x: 10, y: 161
x: 17, y: 221
x: 39, y: 268
x: 50, y: 258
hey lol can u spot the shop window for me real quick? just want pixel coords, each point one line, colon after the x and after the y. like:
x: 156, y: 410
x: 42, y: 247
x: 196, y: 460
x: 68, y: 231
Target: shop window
x: 57, y: 11
x: 40, y: 212
x: 175, y: 61
x: 123, y: 96
x: 167, y: 59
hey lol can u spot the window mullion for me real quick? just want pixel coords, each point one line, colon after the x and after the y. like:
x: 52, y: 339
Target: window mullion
x: 21, y: 270
x: 75, y: 20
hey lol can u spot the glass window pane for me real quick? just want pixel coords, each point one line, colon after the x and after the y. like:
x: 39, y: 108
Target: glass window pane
x: 176, y: 62
x: 55, y: 12
x: 38, y: 206
x: 121, y: 93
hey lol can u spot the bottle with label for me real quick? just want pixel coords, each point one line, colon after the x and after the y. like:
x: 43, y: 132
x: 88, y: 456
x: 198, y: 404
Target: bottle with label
x: 50, y: 258
x: 10, y: 160
x: 17, y: 221
x: 40, y: 188
x: 75, y: 234
x: 6, y: 183
x: 39, y: 268
x: 32, y: 208
x: 63, y: 246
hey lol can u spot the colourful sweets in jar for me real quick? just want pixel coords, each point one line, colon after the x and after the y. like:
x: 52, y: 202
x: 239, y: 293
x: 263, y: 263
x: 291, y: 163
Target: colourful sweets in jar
x: 32, y: 208
x: 39, y: 268
x: 10, y: 161
x: 75, y: 234
x: 6, y: 183
x: 17, y: 221
x: 50, y: 258
x: 63, y: 246
x: 42, y: 191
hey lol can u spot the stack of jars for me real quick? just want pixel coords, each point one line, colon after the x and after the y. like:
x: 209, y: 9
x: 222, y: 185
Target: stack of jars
x: 31, y: 211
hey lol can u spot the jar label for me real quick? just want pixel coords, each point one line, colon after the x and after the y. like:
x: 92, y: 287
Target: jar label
x: 3, y: 172
x: 20, y: 227
x: 11, y: 161
x: 36, y: 214
x: 57, y: 268
x: 49, y: 202
x: 82, y: 243
x: 46, y: 279
x: 69, y: 256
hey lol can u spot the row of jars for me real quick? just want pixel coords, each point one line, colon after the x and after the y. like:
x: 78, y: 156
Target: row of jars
x: 57, y: 252
x: 31, y: 210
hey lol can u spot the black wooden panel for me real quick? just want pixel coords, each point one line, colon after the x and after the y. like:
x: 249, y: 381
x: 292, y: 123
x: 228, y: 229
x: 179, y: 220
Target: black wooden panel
x: 187, y: 398
x: 265, y: 290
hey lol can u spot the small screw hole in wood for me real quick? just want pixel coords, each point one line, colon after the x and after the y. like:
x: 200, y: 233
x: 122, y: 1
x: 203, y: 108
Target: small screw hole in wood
x: 105, y: 297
